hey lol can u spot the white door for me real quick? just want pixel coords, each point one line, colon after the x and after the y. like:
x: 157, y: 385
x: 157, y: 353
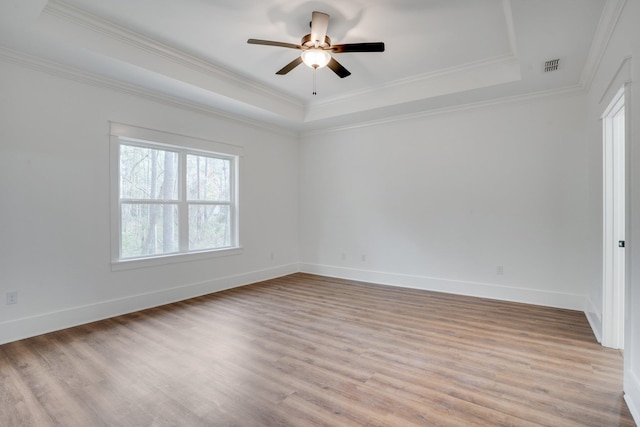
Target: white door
x: 614, y: 132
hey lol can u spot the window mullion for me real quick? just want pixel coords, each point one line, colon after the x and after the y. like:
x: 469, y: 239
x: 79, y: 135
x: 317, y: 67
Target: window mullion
x: 183, y: 208
x: 149, y: 201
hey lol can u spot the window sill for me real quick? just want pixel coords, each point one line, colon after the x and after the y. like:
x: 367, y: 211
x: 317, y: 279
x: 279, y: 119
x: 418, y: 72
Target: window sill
x: 130, y: 264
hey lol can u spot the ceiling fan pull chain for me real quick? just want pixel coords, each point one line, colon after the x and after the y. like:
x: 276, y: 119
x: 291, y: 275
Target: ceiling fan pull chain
x: 315, y: 70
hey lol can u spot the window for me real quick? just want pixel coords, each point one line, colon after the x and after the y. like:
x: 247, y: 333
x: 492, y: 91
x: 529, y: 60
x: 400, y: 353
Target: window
x: 173, y: 199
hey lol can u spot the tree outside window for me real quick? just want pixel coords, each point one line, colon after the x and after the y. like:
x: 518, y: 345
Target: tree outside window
x: 173, y: 200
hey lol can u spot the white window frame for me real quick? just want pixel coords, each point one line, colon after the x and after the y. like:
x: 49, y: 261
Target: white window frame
x: 185, y: 145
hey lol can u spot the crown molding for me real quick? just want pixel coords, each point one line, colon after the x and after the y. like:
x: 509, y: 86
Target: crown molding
x: 91, y: 22
x: 79, y: 18
x: 92, y: 79
x: 606, y: 26
x: 475, y: 75
x: 566, y: 91
x: 417, y: 79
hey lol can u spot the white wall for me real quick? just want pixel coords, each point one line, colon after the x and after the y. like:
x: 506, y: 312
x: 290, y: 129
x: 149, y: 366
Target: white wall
x: 439, y: 202
x: 54, y: 195
x: 434, y: 202
x: 620, y: 64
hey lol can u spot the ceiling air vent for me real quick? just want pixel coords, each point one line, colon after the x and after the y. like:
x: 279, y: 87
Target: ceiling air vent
x: 551, y: 65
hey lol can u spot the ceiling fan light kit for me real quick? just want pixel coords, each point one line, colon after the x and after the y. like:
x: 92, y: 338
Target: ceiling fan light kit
x: 316, y: 57
x: 316, y: 47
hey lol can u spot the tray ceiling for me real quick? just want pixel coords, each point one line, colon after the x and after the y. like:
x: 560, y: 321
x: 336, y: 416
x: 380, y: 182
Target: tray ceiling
x: 439, y: 53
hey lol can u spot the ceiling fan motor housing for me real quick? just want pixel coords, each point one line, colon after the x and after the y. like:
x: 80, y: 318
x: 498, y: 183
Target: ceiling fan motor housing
x: 308, y: 42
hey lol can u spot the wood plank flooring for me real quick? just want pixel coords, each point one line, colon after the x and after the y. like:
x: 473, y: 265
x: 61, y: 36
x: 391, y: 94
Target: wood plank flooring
x: 305, y: 350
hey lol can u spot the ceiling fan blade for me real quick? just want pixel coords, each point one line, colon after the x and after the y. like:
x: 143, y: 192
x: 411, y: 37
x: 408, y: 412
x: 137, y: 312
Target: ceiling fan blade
x: 272, y: 43
x: 319, y: 25
x: 338, y: 68
x: 290, y: 66
x: 358, y: 47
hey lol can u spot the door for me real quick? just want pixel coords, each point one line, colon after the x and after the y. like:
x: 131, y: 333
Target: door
x: 614, y: 132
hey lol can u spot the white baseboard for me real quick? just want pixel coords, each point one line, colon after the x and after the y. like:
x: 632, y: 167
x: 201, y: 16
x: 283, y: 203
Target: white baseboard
x: 595, y: 319
x: 17, y: 329
x: 482, y: 290
x: 632, y: 395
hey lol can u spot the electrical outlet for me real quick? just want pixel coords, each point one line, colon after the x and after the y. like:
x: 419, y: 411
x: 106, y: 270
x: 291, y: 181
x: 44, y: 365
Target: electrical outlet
x: 500, y: 270
x: 343, y: 257
x: 12, y: 297
x: 363, y: 258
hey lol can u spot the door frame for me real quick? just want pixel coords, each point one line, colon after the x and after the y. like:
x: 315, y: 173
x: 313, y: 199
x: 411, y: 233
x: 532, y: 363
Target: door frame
x: 614, y: 125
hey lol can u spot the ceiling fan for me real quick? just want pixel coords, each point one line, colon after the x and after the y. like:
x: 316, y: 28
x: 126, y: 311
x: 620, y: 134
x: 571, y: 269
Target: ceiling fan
x: 317, y: 48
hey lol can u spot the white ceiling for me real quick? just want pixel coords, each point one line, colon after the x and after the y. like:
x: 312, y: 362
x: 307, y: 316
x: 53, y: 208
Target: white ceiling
x: 439, y: 53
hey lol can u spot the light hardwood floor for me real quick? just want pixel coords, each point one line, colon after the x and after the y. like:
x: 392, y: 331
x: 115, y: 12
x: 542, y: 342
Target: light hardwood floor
x: 305, y: 350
